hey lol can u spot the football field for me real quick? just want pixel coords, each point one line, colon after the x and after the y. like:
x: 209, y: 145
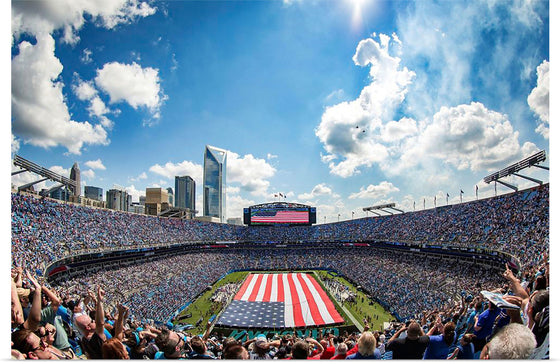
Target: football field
x: 278, y: 301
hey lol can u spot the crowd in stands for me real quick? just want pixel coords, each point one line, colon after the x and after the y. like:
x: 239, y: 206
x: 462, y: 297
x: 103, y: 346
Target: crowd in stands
x: 111, y: 313
x: 44, y: 230
x: 49, y: 325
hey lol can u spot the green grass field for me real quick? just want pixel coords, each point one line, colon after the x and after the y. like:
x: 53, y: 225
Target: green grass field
x: 204, y: 308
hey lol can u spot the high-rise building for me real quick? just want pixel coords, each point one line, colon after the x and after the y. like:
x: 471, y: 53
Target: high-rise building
x: 185, y: 192
x: 157, y: 201
x: 60, y: 193
x: 95, y: 193
x: 170, y: 196
x: 118, y: 199
x: 75, y: 176
x: 214, y: 183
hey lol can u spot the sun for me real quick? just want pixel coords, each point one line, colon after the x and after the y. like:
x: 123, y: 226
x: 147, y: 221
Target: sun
x: 357, y: 12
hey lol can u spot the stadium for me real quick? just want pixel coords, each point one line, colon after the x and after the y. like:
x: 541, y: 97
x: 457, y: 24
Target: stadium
x: 280, y: 276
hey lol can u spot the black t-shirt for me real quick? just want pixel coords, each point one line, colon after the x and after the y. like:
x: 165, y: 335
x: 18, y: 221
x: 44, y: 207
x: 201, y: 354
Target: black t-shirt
x: 408, y: 349
x: 92, y: 347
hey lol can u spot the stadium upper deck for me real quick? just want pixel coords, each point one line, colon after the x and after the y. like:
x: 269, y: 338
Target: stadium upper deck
x: 45, y: 230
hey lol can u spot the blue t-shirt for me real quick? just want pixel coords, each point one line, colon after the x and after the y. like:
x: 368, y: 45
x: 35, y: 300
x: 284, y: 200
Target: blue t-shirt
x: 466, y: 351
x: 437, y: 348
x: 486, y: 322
x: 376, y: 355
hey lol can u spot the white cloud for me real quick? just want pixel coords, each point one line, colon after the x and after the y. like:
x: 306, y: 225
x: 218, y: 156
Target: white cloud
x: 232, y: 189
x: 538, y: 100
x: 375, y: 191
x: 15, y: 144
x: 252, y: 173
x: 170, y: 170
x: 397, y: 130
x: 139, y: 87
x: 335, y: 96
x: 89, y: 173
x: 141, y: 176
x: 60, y: 170
x: 319, y: 190
x: 349, y: 130
x: 97, y: 107
x: 270, y: 156
x: 96, y: 164
x: 84, y: 90
x: 235, y: 205
x: 86, y: 56
x: 40, y: 115
x: 131, y: 190
x: 36, y: 17
x: 467, y: 137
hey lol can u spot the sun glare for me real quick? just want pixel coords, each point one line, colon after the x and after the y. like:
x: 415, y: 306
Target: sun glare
x: 357, y: 12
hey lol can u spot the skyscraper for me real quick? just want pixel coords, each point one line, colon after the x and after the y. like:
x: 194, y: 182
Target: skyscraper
x: 171, y: 196
x: 95, y: 193
x: 185, y: 192
x: 75, y: 176
x: 118, y: 199
x: 214, y: 183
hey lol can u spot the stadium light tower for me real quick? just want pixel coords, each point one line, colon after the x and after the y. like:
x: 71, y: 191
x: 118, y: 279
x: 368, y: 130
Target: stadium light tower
x: 383, y: 208
x: 512, y: 170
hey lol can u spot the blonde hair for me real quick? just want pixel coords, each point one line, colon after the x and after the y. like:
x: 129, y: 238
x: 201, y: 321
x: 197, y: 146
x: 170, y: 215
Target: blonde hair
x: 366, y: 344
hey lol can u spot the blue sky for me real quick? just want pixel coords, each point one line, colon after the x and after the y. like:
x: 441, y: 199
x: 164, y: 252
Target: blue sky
x: 337, y: 104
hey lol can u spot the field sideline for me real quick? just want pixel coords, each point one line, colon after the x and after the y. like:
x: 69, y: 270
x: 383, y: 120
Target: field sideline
x: 202, y: 309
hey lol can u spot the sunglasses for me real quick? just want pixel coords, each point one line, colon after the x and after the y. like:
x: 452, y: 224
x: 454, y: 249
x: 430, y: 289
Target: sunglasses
x: 42, y: 345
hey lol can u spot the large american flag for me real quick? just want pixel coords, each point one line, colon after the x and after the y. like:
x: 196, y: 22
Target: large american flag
x: 278, y: 301
x: 282, y: 216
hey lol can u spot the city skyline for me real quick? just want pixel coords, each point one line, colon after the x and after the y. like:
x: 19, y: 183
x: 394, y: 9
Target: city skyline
x: 339, y: 105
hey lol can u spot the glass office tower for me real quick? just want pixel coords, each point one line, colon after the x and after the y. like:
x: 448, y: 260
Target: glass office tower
x: 214, y: 183
x: 185, y: 195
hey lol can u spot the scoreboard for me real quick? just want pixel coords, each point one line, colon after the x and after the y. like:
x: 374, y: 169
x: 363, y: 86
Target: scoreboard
x: 279, y: 214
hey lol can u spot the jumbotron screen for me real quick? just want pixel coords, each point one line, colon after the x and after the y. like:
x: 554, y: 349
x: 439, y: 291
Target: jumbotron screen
x: 279, y: 215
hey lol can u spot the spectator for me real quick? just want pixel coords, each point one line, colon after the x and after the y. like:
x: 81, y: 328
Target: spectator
x: 328, y: 347
x: 199, y: 349
x: 410, y: 347
x: 515, y: 341
x: 440, y: 345
x: 483, y: 325
x: 170, y: 344
x: 303, y: 349
x: 28, y: 343
x: 93, y: 335
x: 236, y: 351
x: 466, y: 348
x: 114, y: 349
x: 340, y: 352
x: 366, y: 347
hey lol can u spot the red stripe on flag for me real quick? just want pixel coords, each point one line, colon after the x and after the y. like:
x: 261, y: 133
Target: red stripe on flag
x: 243, y: 288
x: 268, y: 288
x: 296, y: 305
x: 256, y: 288
x: 313, y: 308
x: 280, y: 294
x: 330, y: 306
